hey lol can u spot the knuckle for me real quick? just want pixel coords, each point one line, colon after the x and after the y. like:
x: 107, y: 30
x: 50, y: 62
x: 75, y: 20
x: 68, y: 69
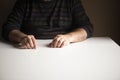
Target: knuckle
x: 32, y: 36
x: 55, y: 40
x: 29, y: 36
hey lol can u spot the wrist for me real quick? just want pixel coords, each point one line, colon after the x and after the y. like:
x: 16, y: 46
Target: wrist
x: 16, y: 36
x: 70, y: 37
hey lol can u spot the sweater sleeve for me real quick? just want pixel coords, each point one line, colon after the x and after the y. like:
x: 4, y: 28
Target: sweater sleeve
x: 15, y: 18
x: 80, y: 18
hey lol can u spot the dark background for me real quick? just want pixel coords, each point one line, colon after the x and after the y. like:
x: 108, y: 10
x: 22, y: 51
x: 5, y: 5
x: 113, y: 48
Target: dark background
x: 104, y: 15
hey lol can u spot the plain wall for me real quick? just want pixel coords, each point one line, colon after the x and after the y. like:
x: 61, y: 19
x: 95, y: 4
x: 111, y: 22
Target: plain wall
x: 104, y: 15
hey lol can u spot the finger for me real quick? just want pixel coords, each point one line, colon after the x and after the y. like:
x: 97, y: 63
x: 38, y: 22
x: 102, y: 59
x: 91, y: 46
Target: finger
x: 28, y: 45
x: 55, y: 42
x: 26, y: 42
x: 34, y: 42
x: 30, y: 42
x: 59, y: 43
x: 63, y: 44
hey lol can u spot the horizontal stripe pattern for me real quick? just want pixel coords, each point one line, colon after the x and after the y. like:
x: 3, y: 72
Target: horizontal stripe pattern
x: 47, y: 19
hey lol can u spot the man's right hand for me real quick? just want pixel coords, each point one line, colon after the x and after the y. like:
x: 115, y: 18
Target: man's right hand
x: 28, y: 42
x: 24, y: 41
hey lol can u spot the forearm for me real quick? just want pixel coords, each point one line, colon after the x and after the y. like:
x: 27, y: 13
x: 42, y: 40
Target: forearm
x: 63, y: 40
x: 16, y: 36
x: 77, y: 35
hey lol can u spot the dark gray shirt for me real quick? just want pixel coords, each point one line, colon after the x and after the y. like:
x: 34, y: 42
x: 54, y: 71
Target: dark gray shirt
x: 45, y: 20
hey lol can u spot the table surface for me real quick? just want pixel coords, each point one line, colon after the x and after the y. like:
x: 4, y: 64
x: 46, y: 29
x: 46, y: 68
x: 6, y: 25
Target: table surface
x: 96, y: 58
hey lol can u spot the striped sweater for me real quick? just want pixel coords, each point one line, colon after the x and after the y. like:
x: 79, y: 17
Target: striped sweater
x: 46, y: 19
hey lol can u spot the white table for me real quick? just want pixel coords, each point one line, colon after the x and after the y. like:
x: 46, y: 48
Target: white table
x: 97, y: 58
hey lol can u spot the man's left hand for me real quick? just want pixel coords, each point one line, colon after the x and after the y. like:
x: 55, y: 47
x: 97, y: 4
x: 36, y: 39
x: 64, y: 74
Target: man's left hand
x: 59, y: 41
